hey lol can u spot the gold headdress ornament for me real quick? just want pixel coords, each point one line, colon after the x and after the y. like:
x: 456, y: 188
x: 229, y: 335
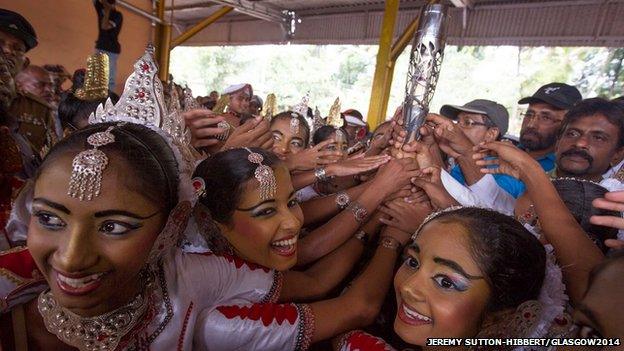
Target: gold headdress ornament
x: 222, y: 103
x: 95, y: 85
x: 335, y: 120
x: 302, y: 109
x: 270, y: 106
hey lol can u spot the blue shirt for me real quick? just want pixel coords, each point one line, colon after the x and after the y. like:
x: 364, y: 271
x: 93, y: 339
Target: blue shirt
x: 510, y: 184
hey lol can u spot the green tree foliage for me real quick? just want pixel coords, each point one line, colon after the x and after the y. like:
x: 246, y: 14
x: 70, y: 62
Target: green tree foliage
x: 504, y: 73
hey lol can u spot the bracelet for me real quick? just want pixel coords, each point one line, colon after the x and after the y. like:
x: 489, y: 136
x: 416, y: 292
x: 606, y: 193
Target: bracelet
x: 362, y: 236
x: 342, y: 200
x: 391, y: 243
x: 359, y: 212
x: 320, y: 174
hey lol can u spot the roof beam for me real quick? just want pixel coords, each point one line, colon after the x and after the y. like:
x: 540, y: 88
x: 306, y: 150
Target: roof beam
x: 246, y: 7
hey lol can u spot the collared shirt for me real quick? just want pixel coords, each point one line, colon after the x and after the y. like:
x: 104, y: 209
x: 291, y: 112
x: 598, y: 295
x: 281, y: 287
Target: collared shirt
x: 510, y: 184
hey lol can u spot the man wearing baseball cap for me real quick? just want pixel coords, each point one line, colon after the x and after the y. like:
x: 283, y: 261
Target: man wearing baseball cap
x: 479, y: 121
x: 356, y: 127
x: 542, y: 120
x: 17, y: 37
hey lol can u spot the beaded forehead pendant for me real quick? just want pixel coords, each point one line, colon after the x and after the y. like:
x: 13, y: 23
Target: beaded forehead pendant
x: 87, y: 167
x: 264, y: 175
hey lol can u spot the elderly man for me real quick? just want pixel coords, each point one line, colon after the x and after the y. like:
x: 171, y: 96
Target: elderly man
x: 33, y: 116
x: 36, y: 81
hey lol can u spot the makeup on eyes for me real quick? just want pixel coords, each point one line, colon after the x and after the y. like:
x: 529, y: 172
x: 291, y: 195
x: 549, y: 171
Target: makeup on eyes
x: 457, y: 282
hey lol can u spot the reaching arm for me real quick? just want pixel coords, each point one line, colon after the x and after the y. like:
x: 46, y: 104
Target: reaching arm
x: 575, y: 251
x: 328, y: 237
x: 322, y: 208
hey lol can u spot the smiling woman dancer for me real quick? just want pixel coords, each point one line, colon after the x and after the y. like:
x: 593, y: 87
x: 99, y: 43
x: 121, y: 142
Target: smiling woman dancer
x: 102, y: 270
x: 469, y: 272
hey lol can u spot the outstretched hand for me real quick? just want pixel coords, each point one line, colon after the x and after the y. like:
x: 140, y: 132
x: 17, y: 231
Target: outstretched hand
x: 499, y: 157
x: 313, y: 157
x: 357, y: 165
x: 612, y: 201
x: 256, y: 132
x: 203, y: 127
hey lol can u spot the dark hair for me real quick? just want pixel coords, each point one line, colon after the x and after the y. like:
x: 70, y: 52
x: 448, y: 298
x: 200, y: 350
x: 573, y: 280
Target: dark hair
x: 324, y: 133
x: 512, y: 258
x: 71, y: 109
x: 302, y: 123
x: 613, y: 111
x: 578, y: 196
x: 225, y: 175
x: 154, y: 170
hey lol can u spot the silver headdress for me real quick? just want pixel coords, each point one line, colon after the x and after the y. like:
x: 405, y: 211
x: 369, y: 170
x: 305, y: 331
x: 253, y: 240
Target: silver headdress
x: 190, y: 103
x: 264, y: 175
x: 424, y: 67
x: 142, y: 102
x: 302, y: 109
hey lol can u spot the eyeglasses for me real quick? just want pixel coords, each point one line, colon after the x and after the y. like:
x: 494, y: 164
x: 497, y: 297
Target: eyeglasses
x: 541, y: 117
x: 468, y: 123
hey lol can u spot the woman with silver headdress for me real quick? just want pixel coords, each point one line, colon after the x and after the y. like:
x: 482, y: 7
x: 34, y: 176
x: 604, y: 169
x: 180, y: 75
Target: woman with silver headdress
x: 471, y: 273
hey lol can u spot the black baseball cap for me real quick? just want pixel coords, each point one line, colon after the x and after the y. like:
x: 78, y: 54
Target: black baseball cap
x: 559, y: 95
x: 496, y: 112
x: 15, y: 24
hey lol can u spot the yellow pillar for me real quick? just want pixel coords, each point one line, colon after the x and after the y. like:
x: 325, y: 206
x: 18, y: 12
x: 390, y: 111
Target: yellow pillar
x: 375, y: 114
x: 201, y: 25
x: 395, y: 52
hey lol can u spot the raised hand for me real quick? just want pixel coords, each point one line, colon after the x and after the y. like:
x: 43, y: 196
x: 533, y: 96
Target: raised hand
x: 395, y: 175
x: 203, y: 127
x: 498, y: 157
x: 405, y: 216
x: 256, y: 132
x: 450, y: 137
x: 429, y: 180
x: 356, y: 165
x: 612, y: 201
x: 313, y: 157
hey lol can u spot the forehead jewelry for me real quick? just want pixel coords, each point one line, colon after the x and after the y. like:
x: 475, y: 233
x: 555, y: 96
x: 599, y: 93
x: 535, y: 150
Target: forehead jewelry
x: 264, y: 175
x: 87, y: 167
x: 294, y: 123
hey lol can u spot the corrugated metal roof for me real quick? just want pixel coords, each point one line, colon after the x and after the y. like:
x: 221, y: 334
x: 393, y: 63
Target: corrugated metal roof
x: 489, y: 22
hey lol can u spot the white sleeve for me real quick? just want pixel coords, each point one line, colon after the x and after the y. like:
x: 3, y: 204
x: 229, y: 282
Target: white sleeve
x: 267, y: 327
x: 221, y: 279
x: 485, y: 193
x: 495, y: 196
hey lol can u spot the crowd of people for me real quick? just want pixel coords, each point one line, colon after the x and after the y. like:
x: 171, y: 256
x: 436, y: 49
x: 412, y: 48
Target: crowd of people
x: 156, y: 220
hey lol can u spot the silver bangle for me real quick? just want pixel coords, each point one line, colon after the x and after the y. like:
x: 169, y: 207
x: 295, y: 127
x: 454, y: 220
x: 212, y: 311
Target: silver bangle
x: 359, y: 212
x: 342, y: 200
x: 320, y: 174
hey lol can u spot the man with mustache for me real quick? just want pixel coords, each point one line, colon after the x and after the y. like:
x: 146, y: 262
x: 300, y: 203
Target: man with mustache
x: 591, y: 139
x: 543, y: 118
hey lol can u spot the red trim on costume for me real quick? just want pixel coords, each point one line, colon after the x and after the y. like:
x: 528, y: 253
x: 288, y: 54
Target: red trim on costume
x: 20, y: 262
x: 183, y: 332
x: 359, y: 340
x: 268, y: 312
x: 238, y: 262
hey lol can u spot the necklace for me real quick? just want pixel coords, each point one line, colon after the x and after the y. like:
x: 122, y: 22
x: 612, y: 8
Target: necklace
x: 99, y: 333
